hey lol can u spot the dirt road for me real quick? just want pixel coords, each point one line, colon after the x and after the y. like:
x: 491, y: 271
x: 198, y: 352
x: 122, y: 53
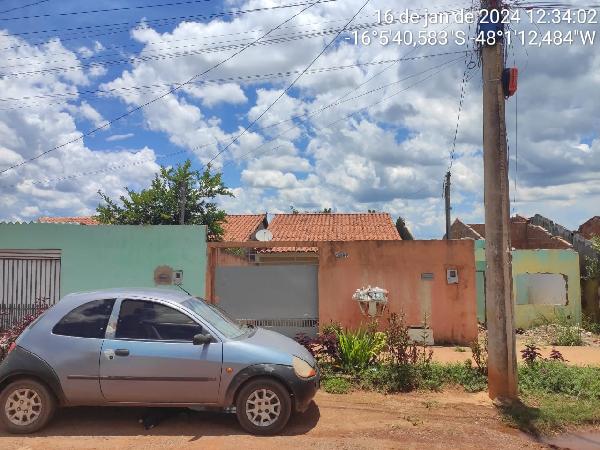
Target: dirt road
x: 358, y: 420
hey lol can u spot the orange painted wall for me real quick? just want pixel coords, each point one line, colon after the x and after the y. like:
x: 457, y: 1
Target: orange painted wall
x: 397, y: 266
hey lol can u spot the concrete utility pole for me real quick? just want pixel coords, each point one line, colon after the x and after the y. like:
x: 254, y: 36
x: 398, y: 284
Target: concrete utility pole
x: 502, y: 359
x: 448, y: 208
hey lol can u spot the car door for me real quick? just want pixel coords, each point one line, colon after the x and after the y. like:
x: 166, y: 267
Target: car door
x: 149, y: 357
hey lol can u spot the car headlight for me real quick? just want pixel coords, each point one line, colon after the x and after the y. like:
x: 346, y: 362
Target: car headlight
x: 302, y: 368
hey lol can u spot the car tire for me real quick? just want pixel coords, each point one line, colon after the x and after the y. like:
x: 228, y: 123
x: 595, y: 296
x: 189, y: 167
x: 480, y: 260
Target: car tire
x: 263, y: 407
x: 33, y: 395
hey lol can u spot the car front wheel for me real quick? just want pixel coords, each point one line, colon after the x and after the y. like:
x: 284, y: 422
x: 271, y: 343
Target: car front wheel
x: 26, y: 406
x: 263, y: 407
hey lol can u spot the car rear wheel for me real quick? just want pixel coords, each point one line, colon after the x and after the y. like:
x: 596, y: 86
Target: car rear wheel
x: 263, y: 407
x: 26, y: 406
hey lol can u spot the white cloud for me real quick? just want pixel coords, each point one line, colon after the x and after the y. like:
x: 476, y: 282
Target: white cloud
x: 119, y: 137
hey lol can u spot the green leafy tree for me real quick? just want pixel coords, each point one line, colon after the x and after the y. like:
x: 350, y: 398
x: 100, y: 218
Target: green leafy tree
x: 173, y: 189
x: 403, y: 230
x: 592, y: 265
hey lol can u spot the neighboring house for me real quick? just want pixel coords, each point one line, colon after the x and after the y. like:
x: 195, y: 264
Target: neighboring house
x: 243, y: 227
x: 545, y: 272
x: 523, y: 234
x: 590, y: 228
x: 325, y: 227
x: 50, y: 260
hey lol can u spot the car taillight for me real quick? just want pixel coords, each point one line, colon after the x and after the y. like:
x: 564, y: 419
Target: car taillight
x: 11, y: 347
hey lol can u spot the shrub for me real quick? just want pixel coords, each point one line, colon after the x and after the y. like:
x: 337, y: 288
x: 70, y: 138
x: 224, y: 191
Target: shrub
x: 588, y: 324
x: 567, y: 335
x: 530, y: 353
x: 336, y: 385
x: 465, y: 375
x: 390, y: 378
x: 479, y: 349
x: 10, y: 335
x: 400, y: 348
x: 358, y: 349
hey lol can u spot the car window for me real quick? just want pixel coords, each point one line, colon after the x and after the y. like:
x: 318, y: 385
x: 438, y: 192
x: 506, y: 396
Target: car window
x: 215, y: 317
x: 141, y: 319
x: 87, y: 321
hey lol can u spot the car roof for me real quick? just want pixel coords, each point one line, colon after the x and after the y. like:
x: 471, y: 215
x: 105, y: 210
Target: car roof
x: 167, y: 294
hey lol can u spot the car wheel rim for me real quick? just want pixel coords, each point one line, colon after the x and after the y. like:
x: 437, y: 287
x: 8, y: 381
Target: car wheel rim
x: 23, y: 406
x: 263, y: 407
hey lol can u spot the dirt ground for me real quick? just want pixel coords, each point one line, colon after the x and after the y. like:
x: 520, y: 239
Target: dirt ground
x: 361, y: 420
x: 582, y: 356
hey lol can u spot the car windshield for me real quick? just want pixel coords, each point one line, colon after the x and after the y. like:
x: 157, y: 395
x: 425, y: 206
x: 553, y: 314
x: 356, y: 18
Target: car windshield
x: 215, y: 317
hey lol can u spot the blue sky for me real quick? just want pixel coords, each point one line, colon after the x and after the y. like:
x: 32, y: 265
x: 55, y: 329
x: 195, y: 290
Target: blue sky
x: 385, y: 152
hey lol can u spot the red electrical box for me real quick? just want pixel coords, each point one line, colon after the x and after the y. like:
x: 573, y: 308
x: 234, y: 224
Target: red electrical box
x: 510, y: 78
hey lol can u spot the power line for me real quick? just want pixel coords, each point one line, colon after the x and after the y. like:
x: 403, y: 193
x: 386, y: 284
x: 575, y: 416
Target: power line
x: 94, y: 11
x: 144, y: 57
x: 169, y: 19
x: 240, y: 78
x: 286, y: 90
x: 253, y: 151
x: 169, y: 92
x: 22, y: 6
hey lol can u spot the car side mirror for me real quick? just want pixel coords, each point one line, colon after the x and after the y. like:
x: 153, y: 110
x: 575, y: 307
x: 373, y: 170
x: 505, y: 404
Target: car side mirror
x: 202, y: 339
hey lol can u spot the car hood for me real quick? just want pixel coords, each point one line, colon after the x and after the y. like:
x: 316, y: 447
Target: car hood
x: 279, y: 343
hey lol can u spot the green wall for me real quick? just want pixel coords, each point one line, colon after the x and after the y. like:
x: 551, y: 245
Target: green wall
x: 96, y: 257
x: 564, y: 262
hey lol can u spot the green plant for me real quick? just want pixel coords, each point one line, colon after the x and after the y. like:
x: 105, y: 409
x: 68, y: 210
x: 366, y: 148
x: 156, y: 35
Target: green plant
x: 567, y: 336
x: 530, y: 353
x: 555, y: 377
x: 390, y: 378
x: 479, y: 349
x: 358, y: 349
x: 400, y: 349
x: 588, y: 324
x: 336, y: 385
x: 459, y: 349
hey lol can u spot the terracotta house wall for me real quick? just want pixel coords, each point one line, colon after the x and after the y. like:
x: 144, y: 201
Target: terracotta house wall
x: 397, y: 266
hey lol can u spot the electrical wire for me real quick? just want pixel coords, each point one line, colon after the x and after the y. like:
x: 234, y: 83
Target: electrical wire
x: 287, y: 89
x: 440, y: 68
x: 105, y: 10
x: 169, y: 92
x: 254, y: 78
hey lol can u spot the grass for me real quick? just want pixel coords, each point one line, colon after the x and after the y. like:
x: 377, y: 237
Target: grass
x: 336, y: 385
x: 540, y: 413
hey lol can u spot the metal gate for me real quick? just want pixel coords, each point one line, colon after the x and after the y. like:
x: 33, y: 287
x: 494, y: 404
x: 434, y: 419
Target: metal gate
x: 283, y: 298
x: 27, y: 276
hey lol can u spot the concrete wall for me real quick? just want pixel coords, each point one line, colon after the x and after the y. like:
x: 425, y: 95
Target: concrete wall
x: 398, y: 266
x: 115, y: 256
x: 533, y: 273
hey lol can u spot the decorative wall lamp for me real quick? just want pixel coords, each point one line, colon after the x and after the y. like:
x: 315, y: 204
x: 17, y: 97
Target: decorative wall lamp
x: 371, y: 300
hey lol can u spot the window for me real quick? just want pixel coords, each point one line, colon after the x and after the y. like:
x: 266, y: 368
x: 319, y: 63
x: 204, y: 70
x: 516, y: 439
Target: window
x: 141, y: 319
x: 87, y: 321
x: 215, y: 317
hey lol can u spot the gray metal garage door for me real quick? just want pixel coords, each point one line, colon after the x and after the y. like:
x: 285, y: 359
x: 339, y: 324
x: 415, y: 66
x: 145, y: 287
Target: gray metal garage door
x: 283, y: 298
x: 27, y: 276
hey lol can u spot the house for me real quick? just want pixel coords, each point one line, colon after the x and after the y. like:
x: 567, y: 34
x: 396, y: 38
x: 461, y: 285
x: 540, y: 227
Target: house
x: 325, y: 227
x: 590, y: 228
x: 524, y: 235
x: 56, y: 257
x: 83, y: 220
x: 545, y: 272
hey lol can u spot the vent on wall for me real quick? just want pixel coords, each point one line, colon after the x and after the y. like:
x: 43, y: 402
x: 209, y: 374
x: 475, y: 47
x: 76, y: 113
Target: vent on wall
x: 427, y: 276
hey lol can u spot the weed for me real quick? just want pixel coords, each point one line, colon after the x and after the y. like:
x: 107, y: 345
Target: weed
x: 555, y: 355
x: 479, y: 349
x: 459, y: 349
x: 530, y: 353
x: 336, y: 385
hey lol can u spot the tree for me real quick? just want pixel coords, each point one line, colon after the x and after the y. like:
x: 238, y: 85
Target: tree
x: 592, y: 265
x: 403, y: 230
x: 175, y: 193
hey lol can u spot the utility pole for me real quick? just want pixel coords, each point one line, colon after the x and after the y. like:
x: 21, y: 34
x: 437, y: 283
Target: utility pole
x: 447, y: 198
x: 502, y: 359
x: 182, y: 194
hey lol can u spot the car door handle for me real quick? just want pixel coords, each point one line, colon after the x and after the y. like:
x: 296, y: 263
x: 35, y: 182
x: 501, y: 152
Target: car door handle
x: 122, y: 352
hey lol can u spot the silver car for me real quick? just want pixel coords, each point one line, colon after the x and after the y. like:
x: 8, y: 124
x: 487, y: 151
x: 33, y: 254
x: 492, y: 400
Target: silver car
x: 152, y: 347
